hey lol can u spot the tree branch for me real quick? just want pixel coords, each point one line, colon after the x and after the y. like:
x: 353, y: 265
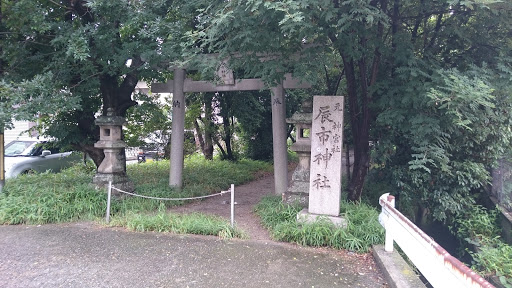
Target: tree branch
x: 58, y: 4
x: 339, y: 81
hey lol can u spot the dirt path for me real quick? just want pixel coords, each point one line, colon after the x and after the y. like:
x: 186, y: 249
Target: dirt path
x: 246, y: 197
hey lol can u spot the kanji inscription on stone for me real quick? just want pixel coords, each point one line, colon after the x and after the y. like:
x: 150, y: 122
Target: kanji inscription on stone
x: 326, y: 151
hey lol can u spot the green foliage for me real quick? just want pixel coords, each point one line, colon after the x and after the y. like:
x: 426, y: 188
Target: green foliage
x: 479, y: 229
x: 439, y: 157
x: 431, y: 73
x: 292, y: 156
x: 375, y: 186
x: 363, y: 229
x: 476, y: 225
x: 249, y: 114
x: 200, y: 177
x: 443, y: 117
x: 31, y: 97
x: 67, y: 58
x: 427, y: 81
x: 254, y: 113
x: 213, y: 173
x: 495, y: 260
x: 148, y: 122
x: 282, y: 28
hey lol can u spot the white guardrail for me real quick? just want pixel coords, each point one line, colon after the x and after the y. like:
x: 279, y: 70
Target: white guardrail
x: 437, y: 266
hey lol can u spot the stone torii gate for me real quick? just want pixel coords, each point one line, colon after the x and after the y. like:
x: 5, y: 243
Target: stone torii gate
x: 181, y: 85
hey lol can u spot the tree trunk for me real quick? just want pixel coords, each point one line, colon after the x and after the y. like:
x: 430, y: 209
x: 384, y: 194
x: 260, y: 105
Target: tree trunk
x: 222, y: 151
x: 199, y: 134
x: 359, y: 96
x: 227, y: 139
x: 208, y: 127
x: 225, y: 104
x: 87, y: 126
x: 2, y: 157
x: 291, y: 127
x: 358, y: 101
x: 347, y: 156
x: 360, y: 126
x: 117, y: 97
x: 208, y: 146
x: 95, y: 154
x: 360, y: 168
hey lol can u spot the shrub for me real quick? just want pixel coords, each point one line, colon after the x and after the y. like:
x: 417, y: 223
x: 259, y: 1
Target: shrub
x: 494, y: 259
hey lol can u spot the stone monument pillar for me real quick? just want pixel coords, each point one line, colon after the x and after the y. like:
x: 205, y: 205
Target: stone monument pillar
x: 113, y: 166
x: 298, y: 190
x: 325, y: 165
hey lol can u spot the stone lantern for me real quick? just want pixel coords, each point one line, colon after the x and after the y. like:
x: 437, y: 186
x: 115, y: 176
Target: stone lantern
x: 113, y: 166
x: 298, y: 189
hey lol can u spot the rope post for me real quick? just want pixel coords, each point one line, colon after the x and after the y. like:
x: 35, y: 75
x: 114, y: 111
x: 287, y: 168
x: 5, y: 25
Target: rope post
x: 232, y: 205
x: 109, y: 193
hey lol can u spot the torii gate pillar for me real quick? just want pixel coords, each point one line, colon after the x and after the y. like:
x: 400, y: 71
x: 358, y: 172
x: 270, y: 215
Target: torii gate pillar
x: 279, y: 140
x: 178, y: 126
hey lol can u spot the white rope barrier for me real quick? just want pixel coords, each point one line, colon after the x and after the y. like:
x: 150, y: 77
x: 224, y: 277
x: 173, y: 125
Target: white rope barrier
x: 232, y: 190
x: 171, y: 199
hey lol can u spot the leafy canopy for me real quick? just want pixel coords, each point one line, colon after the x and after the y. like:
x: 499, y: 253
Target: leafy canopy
x: 85, y: 56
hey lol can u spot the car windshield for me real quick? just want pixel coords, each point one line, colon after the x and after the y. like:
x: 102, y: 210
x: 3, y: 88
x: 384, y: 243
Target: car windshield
x: 20, y: 148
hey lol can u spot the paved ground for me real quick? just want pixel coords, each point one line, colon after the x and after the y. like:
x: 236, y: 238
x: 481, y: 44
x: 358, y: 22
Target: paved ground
x: 88, y: 255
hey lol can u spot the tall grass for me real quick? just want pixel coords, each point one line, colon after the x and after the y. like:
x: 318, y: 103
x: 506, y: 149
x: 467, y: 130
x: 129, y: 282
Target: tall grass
x: 363, y: 229
x: 200, y: 178
x: 49, y: 198
x: 70, y: 196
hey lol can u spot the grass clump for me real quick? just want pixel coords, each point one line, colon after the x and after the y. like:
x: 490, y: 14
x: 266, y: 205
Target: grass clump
x: 273, y: 211
x: 363, y: 229
x: 194, y: 223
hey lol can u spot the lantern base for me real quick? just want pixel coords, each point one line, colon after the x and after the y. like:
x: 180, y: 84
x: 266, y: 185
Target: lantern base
x: 119, y: 181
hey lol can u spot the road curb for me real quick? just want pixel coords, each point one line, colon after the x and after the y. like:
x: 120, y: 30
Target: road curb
x: 397, y: 272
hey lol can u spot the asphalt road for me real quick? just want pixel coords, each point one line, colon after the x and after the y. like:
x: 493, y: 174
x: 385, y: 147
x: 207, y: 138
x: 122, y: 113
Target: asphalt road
x: 89, y: 255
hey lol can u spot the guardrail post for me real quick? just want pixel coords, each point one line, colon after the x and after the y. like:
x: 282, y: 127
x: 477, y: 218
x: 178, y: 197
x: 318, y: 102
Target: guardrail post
x: 385, y: 201
x: 389, y: 231
x: 388, y: 244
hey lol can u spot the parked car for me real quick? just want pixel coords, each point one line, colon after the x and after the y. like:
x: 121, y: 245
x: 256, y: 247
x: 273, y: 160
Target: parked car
x: 26, y: 156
